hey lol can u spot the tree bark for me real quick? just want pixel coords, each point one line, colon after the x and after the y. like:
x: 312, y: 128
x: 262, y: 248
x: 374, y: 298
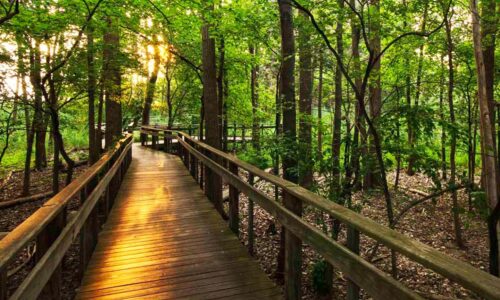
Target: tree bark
x: 289, y: 241
x: 337, y: 118
x: 489, y: 158
x: 211, y: 110
x: 151, y: 87
x: 320, y: 106
x: 91, y: 90
x: 254, y: 86
x: 112, y: 83
x: 373, y: 175
x: 453, y: 134
x: 38, y: 118
x: 305, y: 105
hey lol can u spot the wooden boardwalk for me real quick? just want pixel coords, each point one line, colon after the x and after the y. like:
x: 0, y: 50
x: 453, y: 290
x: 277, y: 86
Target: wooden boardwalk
x: 164, y: 240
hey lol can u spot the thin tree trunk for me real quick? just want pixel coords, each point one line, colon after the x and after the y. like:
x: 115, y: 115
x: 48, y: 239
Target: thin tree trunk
x: 305, y: 106
x: 30, y: 131
x: 453, y: 135
x: 442, y: 119
x: 151, y: 86
x: 254, y: 85
x: 337, y: 117
x: 220, y: 87
x: 320, y: 106
x: 38, y: 118
x: 91, y: 89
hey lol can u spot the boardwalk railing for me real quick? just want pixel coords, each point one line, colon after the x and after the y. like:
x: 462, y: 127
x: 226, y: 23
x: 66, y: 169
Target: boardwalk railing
x: 52, y: 230
x: 361, y: 274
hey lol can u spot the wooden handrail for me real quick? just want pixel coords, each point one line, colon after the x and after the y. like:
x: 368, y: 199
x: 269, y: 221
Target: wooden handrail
x: 478, y: 281
x: 47, y: 224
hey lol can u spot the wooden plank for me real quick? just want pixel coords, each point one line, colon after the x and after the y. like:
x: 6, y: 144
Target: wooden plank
x: 164, y: 236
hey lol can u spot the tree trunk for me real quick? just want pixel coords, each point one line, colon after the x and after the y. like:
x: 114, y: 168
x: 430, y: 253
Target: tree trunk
x: 254, y: 85
x: 220, y: 89
x: 453, y: 135
x: 337, y: 118
x: 442, y: 118
x: 151, y: 87
x: 91, y: 90
x: 30, y: 131
x: 359, y: 128
x: 320, y: 106
x: 305, y: 105
x: 211, y: 111
x: 38, y: 118
x: 112, y: 85
x: 489, y: 26
x: 489, y: 159
x: 289, y: 241
x: 373, y: 173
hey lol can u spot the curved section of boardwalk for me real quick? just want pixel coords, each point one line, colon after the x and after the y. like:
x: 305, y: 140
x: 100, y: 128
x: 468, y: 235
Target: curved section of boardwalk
x: 164, y: 240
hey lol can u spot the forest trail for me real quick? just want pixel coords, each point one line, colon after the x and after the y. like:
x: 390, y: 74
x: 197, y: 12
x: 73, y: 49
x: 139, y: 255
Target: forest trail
x: 163, y: 239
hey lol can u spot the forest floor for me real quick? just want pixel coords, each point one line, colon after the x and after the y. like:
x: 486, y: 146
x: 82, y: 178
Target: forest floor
x: 430, y: 222
x: 11, y: 217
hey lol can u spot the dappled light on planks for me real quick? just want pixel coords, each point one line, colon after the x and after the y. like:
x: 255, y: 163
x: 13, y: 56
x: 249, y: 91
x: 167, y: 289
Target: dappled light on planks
x: 164, y: 240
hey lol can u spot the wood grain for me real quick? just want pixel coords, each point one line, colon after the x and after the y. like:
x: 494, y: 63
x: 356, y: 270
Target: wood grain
x: 164, y: 240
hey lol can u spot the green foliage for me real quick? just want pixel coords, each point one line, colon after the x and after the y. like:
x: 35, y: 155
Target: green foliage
x: 319, y: 277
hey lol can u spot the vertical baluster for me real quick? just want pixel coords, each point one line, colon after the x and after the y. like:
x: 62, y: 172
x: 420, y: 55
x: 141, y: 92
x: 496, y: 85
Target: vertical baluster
x: 85, y: 236
x: 293, y: 252
x: 251, y: 238
x: 234, y: 200
x: 202, y: 174
x: 3, y: 284
x: 49, y: 234
x: 353, y: 245
x: 192, y: 168
x: 165, y: 135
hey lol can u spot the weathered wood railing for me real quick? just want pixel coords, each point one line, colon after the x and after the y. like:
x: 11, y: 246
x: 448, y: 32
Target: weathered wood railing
x: 53, y: 231
x: 235, y: 133
x: 361, y: 274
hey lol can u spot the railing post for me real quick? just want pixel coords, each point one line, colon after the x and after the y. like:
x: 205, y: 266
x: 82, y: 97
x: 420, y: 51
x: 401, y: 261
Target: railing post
x: 52, y: 289
x: 193, y: 164
x: 234, y: 211
x: 353, y: 245
x: 154, y: 139
x: 88, y: 238
x: 165, y: 142
x: 202, y: 173
x: 251, y: 238
x: 3, y: 284
x: 293, y: 252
